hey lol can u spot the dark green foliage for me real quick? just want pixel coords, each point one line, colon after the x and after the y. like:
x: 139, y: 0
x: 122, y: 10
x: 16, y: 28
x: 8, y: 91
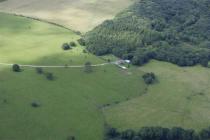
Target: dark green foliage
x: 16, y: 68
x: 205, y: 134
x: 158, y: 133
x: 112, y: 133
x: 72, y: 44
x: 71, y: 138
x: 88, y: 67
x: 49, y: 76
x: 149, y: 78
x: 35, y: 104
x: 177, y: 31
x: 84, y: 51
x: 66, y: 46
x: 182, y: 56
x: 128, y: 134
x: 39, y: 70
x: 4, y: 100
x: 81, y: 41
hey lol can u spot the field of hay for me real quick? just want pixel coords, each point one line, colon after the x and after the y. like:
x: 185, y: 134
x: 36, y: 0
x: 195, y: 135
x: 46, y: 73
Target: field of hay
x: 80, y: 15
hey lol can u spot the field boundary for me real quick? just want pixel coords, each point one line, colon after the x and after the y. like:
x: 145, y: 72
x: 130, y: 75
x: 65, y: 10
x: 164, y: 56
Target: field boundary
x: 44, y: 21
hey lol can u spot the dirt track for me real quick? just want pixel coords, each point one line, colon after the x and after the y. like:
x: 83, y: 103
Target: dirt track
x: 46, y: 66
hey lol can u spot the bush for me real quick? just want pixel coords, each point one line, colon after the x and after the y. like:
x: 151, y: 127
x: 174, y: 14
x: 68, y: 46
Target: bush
x: 81, y: 41
x: 71, y: 138
x: 50, y: 76
x: 5, y: 101
x: 72, y: 44
x: 112, y: 133
x: 35, y: 104
x: 39, y: 70
x: 84, y: 51
x: 16, y: 68
x: 149, y: 78
x: 66, y: 46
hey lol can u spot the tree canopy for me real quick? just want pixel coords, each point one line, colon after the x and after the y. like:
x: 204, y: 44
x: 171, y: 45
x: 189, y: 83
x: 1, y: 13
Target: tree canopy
x: 177, y: 31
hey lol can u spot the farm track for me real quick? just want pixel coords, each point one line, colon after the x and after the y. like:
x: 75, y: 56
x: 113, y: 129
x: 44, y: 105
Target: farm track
x: 64, y: 66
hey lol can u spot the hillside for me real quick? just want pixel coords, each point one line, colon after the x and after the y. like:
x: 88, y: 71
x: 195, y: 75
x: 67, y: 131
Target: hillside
x: 79, y: 15
x: 69, y: 105
x: 54, y: 88
x: 180, y: 98
x: 177, y: 31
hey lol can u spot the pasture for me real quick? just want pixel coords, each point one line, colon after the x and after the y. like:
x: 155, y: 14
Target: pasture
x: 79, y: 104
x: 80, y: 15
x: 70, y: 104
x: 181, y: 97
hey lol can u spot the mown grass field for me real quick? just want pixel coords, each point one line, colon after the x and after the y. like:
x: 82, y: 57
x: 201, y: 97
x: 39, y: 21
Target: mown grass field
x: 70, y: 105
x: 180, y: 98
x: 80, y: 15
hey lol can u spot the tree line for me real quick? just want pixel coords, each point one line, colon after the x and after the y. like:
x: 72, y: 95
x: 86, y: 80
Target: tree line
x: 158, y: 133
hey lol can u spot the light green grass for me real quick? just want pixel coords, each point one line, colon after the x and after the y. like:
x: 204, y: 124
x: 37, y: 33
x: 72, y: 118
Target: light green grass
x: 70, y: 105
x: 180, y: 98
x: 25, y: 41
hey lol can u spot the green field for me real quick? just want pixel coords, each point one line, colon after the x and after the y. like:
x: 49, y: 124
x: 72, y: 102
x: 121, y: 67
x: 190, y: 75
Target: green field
x: 79, y: 104
x: 180, y: 98
x: 70, y: 105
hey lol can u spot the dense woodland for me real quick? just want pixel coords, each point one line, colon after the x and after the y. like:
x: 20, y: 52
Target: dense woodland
x: 158, y: 133
x: 177, y: 31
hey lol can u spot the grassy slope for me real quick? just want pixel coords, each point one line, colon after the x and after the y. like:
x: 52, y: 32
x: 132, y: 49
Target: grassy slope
x: 79, y: 15
x: 181, y: 98
x: 70, y: 104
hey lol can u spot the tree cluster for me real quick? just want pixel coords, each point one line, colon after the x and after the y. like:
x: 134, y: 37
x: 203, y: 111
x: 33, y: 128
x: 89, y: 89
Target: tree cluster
x: 66, y: 46
x: 158, y: 133
x: 69, y: 46
x: 16, y: 68
x: 149, y: 78
x: 73, y: 44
